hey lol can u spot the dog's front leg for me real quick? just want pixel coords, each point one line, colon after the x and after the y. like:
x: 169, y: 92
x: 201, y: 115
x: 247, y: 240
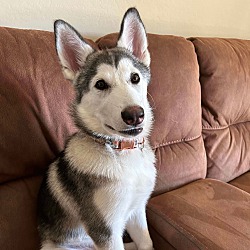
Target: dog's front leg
x: 138, y: 230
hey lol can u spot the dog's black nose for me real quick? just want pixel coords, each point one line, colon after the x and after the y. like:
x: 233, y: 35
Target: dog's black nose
x: 133, y: 115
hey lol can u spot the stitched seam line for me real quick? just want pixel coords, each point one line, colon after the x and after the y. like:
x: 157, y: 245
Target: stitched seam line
x: 176, y: 141
x: 178, y: 227
x: 223, y: 127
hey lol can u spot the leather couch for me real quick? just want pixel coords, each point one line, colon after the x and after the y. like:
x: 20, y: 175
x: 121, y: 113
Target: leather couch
x: 200, y: 94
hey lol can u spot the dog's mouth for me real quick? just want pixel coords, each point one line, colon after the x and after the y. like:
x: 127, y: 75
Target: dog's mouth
x: 130, y: 132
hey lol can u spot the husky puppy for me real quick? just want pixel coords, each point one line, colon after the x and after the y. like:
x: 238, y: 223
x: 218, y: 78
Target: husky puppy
x: 101, y: 182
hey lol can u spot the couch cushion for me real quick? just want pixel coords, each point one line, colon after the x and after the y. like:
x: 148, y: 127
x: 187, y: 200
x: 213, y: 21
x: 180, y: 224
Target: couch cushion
x: 242, y: 182
x: 225, y: 85
x: 18, y: 221
x: 174, y: 94
x: 34, y: 101
x: 159, y: 242
x: 206, y: 214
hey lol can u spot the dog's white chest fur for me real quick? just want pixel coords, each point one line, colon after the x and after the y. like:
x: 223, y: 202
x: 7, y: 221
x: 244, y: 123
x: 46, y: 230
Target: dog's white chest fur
x: 134, y: 181
x: 130, y: 173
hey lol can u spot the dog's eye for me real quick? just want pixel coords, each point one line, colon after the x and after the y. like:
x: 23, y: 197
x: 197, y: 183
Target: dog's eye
x: 135, y: 78
x: 101, y: 85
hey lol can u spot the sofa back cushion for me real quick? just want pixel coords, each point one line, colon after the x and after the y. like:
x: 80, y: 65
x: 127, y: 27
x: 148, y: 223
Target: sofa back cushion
x: 225, y: 87
x: 34, y: 97
x: 174, y: 94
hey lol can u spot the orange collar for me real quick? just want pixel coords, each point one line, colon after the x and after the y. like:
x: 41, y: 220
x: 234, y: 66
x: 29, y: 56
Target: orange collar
x: 126, y: 144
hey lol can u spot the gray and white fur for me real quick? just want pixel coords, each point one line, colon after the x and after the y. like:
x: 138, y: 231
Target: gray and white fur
x: 93, y: 192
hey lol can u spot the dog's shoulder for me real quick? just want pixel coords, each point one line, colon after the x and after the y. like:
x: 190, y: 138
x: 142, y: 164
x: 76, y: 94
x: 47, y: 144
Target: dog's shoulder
x: 90, y: 157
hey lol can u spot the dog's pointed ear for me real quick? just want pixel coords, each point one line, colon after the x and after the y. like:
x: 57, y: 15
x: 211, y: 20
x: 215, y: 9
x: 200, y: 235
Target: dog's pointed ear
x: 72, y: 49
x: 133, y: 36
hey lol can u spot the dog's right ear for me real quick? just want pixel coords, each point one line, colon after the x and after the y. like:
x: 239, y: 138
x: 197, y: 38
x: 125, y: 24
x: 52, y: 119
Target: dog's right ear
x: 71, y: 48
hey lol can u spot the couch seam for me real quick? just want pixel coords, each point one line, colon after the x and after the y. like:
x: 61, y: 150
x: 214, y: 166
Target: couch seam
x: 223, y: 127
x: 176, y: 225
x: 176, y: 141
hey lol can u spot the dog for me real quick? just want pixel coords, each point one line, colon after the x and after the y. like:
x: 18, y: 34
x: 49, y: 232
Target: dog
x: 99, y: 185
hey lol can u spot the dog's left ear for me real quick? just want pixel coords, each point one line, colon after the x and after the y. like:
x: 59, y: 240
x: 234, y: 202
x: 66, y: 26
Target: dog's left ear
x: 133, y: 36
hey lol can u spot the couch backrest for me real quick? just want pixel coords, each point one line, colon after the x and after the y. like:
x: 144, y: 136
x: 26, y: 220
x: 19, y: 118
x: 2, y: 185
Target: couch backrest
x: 225, y: 89
x: 174, y: 94
x: 34, y: 97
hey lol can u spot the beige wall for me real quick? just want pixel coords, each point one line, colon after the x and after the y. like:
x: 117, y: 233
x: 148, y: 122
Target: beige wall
x: 94, y: 18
